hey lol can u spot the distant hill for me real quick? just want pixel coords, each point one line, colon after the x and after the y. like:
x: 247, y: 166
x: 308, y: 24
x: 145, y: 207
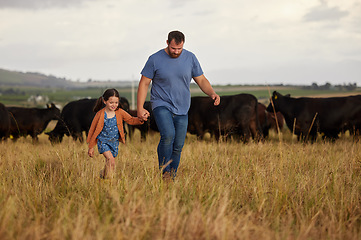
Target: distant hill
x: 33, y: 79
x: 14, y: 78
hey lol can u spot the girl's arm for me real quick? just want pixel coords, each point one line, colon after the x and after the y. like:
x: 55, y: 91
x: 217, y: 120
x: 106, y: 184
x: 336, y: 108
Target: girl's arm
x: 92, y: 127
x: 130, y: 119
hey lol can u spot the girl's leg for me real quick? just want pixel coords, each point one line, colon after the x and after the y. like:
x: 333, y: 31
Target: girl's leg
x: 109, y: 164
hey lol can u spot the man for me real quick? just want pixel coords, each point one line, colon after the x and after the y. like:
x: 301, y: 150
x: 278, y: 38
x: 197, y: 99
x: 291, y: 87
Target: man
x: 171, y: 71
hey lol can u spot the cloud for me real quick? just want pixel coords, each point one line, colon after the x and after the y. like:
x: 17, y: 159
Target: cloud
x: 40, y: 4
x: 112, y: 39
x: 325, y: 13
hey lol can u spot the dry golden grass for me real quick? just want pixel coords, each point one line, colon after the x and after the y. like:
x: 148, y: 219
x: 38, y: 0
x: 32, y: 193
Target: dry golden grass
x: 272, y: 190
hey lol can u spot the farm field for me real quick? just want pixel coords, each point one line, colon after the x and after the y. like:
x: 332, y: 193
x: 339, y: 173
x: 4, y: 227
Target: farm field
x: 60, y: 96
x: 279, y: 189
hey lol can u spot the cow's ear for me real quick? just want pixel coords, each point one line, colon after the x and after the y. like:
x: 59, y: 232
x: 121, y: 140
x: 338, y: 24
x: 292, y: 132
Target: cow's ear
x: 288, y: 95
x: 47, y: 106
x: 275, y: 95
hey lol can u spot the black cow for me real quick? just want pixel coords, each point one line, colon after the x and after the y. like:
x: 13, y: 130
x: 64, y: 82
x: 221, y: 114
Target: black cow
x: 235, y: 116
x: 353, y: 124
x: 31, y: 121
x: 268, y: 121
x: 308, y: 116
x: 4, y: 122
x: 76, y: 117
x: 149, y: 125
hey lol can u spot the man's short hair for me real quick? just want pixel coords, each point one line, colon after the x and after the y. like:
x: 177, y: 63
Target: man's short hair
x: 177, y: 36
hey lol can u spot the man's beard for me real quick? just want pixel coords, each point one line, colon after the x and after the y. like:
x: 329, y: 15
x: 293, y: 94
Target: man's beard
x: 173, y: 55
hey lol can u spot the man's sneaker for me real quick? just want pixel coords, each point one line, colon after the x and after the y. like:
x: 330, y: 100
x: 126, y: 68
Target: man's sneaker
x: 167, y: 176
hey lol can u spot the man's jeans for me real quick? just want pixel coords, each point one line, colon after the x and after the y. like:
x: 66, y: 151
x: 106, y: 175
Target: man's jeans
x: 173, y: 131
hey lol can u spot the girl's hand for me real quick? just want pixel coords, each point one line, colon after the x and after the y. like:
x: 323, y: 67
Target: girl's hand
x: 141, y: 120
x: 91, y: 152
x: 143, y: 114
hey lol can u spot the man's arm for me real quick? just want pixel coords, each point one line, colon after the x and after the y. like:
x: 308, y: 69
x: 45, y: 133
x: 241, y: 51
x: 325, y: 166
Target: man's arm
x: 141, y: 96
x: 206, y: 87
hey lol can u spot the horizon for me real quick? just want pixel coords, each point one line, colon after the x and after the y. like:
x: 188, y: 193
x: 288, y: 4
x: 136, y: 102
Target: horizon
x: 130, y: 81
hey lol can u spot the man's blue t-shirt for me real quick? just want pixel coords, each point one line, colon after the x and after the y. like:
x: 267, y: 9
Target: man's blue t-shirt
x: 171, y: 79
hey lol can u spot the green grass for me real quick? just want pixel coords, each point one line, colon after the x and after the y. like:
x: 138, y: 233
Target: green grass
x: 280, y: 189
x: 62, y: 96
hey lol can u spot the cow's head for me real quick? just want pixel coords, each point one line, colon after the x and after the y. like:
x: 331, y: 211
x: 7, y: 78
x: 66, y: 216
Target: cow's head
x: 55, y: 137
x: 55, y: 111
x: 124, y: 104
x: 275, y: 101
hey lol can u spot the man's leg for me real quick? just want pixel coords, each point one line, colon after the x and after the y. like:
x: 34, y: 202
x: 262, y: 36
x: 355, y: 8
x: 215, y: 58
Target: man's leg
x: 164, y: 120
x: 180, y: 124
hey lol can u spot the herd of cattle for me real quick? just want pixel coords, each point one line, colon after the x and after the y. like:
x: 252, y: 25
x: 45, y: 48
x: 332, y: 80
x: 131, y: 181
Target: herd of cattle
x: 240, y: 117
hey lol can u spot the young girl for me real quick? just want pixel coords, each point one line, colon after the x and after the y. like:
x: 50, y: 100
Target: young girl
x: 107, y: 129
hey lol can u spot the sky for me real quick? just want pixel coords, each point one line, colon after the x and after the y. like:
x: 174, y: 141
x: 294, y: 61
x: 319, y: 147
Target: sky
x: 236, y: 41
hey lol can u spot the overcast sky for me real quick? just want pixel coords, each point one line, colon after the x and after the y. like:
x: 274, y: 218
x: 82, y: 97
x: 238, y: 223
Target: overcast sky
x: 236, y: 41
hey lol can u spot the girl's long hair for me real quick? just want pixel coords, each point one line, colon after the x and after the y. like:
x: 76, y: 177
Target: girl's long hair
x: 112, y: 92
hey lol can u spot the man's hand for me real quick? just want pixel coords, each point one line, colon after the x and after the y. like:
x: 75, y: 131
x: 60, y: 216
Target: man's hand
x: 143, y: 114
x: 216, y: 98
x: 206, y: 87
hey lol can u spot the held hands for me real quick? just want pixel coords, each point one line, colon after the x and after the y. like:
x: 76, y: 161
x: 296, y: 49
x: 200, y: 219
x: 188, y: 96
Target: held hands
x: 143, y: 114
x: 140, y: 120
x: 216, y: 98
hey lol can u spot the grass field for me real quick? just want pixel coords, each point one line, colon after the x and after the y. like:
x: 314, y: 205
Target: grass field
x: 279, y: 189
x: 61, y: 96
